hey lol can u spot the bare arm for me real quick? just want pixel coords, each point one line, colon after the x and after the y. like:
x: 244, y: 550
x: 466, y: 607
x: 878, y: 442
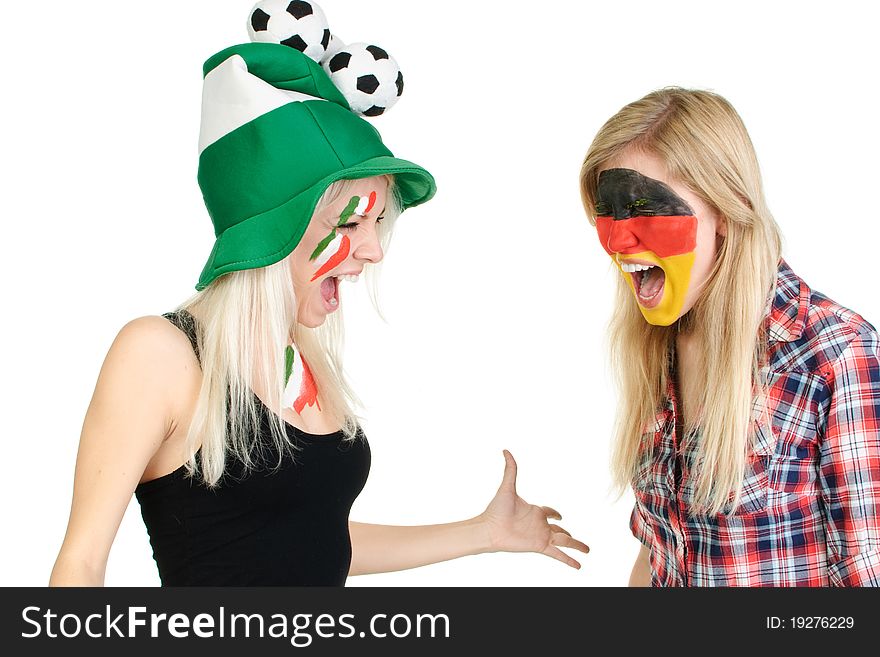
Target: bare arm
x: 641, y: 572
x: 508, y: 524
x: 386, y: 548
x: 127, y: 420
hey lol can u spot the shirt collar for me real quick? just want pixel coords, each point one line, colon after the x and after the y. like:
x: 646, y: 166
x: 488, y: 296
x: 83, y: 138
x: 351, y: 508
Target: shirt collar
x: 788, y: 307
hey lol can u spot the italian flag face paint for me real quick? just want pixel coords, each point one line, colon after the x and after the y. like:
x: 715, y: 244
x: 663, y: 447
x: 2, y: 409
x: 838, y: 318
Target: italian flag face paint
x: 334, y: 255
x: 299, y: 386
x: 365, y: 204
x: 334, y: 248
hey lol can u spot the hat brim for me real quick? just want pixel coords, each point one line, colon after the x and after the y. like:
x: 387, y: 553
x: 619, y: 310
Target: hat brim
x: 254, y: 242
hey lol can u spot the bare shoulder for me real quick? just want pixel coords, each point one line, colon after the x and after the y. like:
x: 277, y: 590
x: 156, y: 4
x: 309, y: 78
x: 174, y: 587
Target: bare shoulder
x: 153, y: 359
x: 154, y: 342
x: 153, y: 335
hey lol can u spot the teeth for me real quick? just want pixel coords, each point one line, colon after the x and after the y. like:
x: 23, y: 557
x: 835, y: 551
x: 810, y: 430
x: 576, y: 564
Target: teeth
x: 351, y: 278
x: 630, y: 267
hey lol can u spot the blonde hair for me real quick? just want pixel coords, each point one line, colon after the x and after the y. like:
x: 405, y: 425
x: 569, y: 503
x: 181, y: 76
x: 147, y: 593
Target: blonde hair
x: 705, y: 146
x: 246, y: 320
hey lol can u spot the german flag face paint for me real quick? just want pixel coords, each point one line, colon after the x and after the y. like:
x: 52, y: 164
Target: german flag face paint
x: 651, y: 234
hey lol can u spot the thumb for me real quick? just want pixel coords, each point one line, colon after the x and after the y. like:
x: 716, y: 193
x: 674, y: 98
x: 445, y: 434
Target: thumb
x: 509, y: 480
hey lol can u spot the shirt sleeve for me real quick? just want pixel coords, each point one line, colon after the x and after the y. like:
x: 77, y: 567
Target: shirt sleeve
x: 640, y: 528
x: 849, y: 466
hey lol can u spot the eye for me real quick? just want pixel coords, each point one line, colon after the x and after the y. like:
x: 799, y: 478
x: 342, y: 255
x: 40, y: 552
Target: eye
x: 352, y: 225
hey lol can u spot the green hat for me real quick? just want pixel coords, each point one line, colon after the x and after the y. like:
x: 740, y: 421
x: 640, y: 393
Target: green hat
x: 275, y: 134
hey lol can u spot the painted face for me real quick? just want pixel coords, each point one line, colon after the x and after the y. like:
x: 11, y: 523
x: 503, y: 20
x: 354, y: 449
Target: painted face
x: 662, y: 236
x: 339, y: 241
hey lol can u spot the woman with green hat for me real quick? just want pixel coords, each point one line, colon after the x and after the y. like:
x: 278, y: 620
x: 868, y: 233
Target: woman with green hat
x: 229, y: 418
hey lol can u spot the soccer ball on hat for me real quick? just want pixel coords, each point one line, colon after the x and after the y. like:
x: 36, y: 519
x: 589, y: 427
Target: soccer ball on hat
x: 336, y: 44
x: 295, y: 23
x: 367, y: 76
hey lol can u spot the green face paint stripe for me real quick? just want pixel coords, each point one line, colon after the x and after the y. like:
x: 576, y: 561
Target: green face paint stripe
x: 288, y: 363
x: 349, y: 210
x: 323, y: 244
x: 343, y: 219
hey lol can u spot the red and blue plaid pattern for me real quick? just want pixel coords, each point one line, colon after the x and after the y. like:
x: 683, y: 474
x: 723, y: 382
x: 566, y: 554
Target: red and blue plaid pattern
x: 810, y: 510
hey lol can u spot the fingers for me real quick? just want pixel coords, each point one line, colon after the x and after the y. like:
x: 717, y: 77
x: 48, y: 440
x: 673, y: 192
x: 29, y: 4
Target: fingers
x: 509, y: 480
x: 559, y: 555
x: 562, y: 538
x: 551, y: 513
x: 557, y: 528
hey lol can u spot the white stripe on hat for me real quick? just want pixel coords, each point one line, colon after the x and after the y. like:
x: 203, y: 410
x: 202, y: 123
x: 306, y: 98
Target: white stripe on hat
x: 232, y: 97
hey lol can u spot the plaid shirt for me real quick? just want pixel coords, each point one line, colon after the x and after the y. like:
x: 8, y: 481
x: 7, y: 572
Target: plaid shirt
x: 811, y: 493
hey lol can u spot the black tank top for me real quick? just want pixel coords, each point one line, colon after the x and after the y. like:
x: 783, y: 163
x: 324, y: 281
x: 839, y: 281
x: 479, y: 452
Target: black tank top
x: 267, y: 526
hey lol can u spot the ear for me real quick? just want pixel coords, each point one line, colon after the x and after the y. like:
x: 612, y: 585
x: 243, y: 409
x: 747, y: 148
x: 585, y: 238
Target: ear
x: 721, y: 227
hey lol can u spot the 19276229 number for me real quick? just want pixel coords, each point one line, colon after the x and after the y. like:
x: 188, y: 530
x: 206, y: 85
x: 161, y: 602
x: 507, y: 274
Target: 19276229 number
x: 810, y: 623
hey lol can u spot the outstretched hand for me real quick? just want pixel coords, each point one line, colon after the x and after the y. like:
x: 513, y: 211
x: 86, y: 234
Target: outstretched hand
x: 514, y: 525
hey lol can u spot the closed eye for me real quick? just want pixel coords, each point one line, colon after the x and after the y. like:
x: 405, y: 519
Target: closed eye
x: 352, y: 225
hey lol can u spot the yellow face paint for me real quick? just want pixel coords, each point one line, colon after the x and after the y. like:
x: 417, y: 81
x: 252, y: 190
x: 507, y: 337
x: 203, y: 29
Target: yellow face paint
x: 677, y: 272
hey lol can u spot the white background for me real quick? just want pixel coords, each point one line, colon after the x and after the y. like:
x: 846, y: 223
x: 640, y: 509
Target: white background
x: 496, y: 293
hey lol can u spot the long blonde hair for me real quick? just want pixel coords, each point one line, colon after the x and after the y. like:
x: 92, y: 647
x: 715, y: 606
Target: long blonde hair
x: 246, y: 319
x: 705, y: 146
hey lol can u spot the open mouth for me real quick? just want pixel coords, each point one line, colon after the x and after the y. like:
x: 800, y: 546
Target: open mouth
x: 330, y: 293
x: 648, y: 282
x: 330, y: 289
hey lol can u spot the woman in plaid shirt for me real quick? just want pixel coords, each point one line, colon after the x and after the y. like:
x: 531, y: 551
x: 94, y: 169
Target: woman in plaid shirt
x: 749, y: 421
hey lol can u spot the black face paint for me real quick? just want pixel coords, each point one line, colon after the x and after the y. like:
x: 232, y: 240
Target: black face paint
x: 625, y: 193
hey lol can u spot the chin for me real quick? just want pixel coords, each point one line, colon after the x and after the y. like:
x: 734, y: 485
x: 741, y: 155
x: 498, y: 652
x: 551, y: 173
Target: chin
x: 312, y: 324
x: 665, y: 313
x: 658, y: 319
x: 309, y: 320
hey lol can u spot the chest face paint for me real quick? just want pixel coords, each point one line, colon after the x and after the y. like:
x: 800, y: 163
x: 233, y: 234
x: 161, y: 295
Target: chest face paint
x: 651, y: 234
x: 334, y: 249
x: 299, y: 386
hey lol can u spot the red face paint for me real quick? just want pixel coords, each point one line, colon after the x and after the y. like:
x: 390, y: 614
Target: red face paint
x: 336, y: 259
x: 371, y: 201
x: 665, y: 236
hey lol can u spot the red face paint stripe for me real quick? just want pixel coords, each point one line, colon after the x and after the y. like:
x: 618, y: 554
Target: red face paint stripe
x: 335, y: 259
x: 664, y: 235
x: 371, y: 203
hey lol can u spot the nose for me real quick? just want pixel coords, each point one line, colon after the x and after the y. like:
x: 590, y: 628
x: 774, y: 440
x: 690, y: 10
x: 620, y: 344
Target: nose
x: 621, y: 238
x: 368, y: 248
